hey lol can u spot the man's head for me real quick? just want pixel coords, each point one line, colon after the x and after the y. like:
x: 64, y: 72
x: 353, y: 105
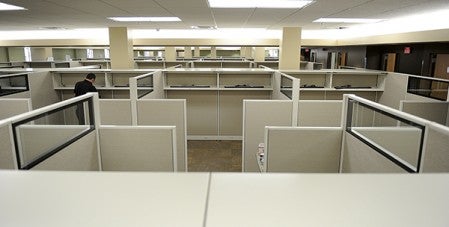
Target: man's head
x: 91, y: 77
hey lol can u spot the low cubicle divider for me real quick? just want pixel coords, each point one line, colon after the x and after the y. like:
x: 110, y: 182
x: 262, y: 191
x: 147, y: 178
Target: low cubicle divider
x: 301, y: 149
x: 138, y: 148
x: 436, y: 111
x: 13, y: 106
x: 320, y: 113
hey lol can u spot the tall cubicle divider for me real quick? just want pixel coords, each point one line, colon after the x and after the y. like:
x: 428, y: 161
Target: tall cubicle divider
x: 150, y: 108
x: 280, y: 111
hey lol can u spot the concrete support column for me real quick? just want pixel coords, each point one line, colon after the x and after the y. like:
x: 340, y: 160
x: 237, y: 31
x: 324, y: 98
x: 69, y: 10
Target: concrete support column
x: 259, y: 54
x: 121, y: 48
x: 196, y: 52
x: 188, y: 52
x: 170, y: 53
x: 290, y: 48
x: 48, y: 52
x: 213, y: 52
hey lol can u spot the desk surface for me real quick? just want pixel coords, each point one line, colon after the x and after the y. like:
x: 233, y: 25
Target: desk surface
x: 350, y: 200
x: 101, y: 199
x: 112, y: 199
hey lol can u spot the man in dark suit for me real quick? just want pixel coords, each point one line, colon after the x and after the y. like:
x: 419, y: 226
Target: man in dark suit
x: 81, y: 88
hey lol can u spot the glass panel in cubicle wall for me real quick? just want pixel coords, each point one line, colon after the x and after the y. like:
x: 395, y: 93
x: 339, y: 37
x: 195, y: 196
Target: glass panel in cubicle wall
x: 286, y: 86
x: 395, y: 138
x: 144, y: 85
x: 11, y: 84
x: 41, y: 136
x: 436, y: 89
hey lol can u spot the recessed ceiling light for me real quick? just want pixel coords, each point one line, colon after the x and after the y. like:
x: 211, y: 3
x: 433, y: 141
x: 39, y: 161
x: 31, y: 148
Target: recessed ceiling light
x: 145, y: 19
x: 259, y: 3
x: 348, y: 20
x: 4, y: 6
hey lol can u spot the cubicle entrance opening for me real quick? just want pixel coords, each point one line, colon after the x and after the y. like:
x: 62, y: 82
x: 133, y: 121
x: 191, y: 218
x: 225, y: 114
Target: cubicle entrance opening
x: 214, y: 155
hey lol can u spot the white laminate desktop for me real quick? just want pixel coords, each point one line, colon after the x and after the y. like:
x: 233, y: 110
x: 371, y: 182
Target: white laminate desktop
x: 350, y: 200
x: 51, y: 199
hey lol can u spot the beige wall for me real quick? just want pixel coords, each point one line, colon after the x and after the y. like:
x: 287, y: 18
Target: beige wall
x: 3, y: 54
x: 59, y: 54
x: 16, y: 54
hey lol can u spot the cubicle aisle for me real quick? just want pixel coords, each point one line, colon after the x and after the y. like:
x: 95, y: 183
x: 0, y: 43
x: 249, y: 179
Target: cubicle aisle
x: 220, y: 199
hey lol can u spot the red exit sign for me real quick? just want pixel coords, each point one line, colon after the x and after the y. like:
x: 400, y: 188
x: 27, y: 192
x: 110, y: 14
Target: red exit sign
x: 407, y: 50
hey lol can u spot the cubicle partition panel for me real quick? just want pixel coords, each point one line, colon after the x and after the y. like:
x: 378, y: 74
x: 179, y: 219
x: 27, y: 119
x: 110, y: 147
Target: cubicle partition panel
x: 11, y: 107
x: 302, y: 149
x: 169, y: 112
x: 320, y: 113
x: 115, y: 112
x: 7, y: 151
x: 436, y: 156
x: 381, y: 146
x: 15, y: 85
x: 138, y: 148
x: 433, y: 111
x: 44, y: 140
x: 256, y: 115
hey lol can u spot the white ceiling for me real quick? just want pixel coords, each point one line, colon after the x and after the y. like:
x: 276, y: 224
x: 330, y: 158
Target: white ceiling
x: 92, y: 13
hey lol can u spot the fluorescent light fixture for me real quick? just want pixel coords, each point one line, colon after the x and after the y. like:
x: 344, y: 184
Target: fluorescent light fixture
x: 145, y: 19
x: 4, y: 6
x: 348, y: 20
x: 259, y: 3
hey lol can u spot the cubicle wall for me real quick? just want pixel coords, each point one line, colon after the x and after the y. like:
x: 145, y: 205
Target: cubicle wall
x: 115, y: 112
x: 11, y: 107
x: 159, y: 112
x: 256, y: 115
x: 433, y: 111
x: 320, y: 113
x: 302, y: 149
x: 436, y: 154
x: 138, y: 148
x: 82, y: 155
x: 7, y: 151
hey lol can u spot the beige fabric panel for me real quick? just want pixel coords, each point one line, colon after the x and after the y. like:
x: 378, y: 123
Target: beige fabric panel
x: 12, y: 107
x: 81, y: 155
x: 354, y: 80
x: 137, y: 149
x: 360, y: 158
x: 257, y: 115
x: 231, y: 110
x: 189, y: 79
x: 395, y: 90
x: 436, y: 158
x: 6, y: 149
x: 320, y: 113
x: 115, y: 112
x: 312, y: 95
x: 303, y: 150
x: 249, y: 79
x: 202, y: 111
x: 434, y: 111
x: 170, y: 113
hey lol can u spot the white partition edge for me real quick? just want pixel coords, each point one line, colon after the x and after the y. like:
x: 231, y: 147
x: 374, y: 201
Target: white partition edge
x: 173, y: 133
x: 96, y: 104
x: 295, y: 99
x: 343, y: 126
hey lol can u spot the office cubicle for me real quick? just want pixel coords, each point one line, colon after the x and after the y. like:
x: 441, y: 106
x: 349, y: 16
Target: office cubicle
x: 68, y: 136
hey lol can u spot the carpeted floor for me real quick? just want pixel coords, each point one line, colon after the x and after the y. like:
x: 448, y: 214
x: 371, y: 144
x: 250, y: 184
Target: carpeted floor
x: 214, y: 156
